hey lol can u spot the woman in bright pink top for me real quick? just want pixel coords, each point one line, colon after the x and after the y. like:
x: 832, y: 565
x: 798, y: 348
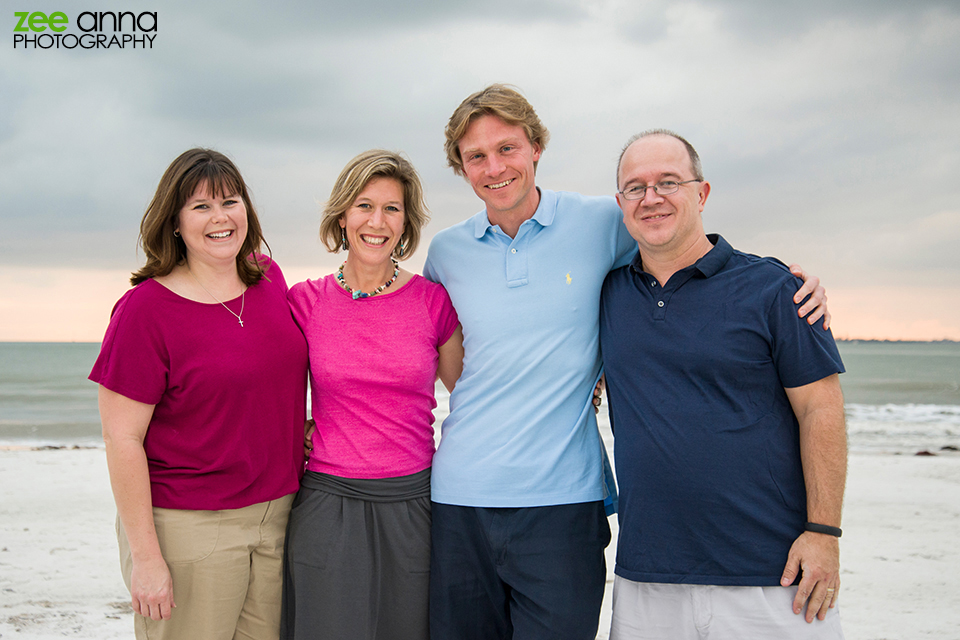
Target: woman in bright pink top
x: 202, y: 377
x: 358, y: 547
x: 373, y: 394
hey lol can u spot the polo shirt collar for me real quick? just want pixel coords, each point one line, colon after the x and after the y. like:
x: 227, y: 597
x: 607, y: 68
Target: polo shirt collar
x: 709, y: 264
x: 544, y: 214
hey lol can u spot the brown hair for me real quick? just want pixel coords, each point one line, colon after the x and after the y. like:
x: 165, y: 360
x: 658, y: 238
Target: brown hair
x: 376, y: 163
x: 498, y: 100
x: 192, y: 170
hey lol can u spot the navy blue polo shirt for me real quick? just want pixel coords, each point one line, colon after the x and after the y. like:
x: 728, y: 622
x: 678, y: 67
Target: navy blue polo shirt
x: 706, y: 444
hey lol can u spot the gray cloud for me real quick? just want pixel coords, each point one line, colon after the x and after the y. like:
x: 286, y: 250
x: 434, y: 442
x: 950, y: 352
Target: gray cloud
x: 828, y: 129
x: 769, y: 21
x: 365, y: 22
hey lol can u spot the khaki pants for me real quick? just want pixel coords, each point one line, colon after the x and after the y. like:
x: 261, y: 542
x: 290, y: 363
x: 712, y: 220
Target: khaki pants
x: 226, y: 568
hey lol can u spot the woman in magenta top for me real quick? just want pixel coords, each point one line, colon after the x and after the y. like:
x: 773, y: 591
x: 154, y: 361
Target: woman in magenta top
x: 358, y: 548
x: 202, y: 398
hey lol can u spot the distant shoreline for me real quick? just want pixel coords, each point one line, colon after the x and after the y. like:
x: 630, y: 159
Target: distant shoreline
x: 878, y: 341
x: 48, y: 342
x: 840, y: 340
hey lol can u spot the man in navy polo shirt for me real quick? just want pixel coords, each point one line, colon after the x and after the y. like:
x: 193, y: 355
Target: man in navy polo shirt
x: 730, y: 441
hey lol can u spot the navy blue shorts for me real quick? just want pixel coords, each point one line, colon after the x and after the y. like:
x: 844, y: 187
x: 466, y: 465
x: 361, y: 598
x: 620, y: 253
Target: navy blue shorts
x: 523, y: 573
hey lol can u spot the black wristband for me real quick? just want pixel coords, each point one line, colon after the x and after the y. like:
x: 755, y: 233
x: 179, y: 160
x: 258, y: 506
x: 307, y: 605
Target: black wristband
x: 836, y: 532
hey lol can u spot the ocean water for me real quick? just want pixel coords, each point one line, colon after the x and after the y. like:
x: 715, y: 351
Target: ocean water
x: 45, y: 397
x: 901, y: 397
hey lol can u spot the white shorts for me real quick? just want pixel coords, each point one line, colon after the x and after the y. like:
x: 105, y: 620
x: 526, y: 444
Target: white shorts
x: 704, y: 612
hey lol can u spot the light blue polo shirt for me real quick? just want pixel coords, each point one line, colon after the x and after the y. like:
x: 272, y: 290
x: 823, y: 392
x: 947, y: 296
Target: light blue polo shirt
x: 522, y: 430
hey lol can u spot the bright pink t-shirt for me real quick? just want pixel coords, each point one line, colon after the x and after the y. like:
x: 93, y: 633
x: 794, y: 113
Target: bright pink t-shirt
x: 373, y: 365
x: 227, y: 428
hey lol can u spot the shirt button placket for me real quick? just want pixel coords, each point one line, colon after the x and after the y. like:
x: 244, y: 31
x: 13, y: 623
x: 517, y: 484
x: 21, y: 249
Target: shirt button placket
x: 516, y: 262
x: 660, y: 312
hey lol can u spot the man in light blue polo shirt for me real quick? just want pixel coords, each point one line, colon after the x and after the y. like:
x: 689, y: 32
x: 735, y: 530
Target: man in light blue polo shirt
x: 519, y: 526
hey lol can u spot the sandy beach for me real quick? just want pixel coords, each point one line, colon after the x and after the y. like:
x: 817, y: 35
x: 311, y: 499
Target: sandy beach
x: 59, y: 573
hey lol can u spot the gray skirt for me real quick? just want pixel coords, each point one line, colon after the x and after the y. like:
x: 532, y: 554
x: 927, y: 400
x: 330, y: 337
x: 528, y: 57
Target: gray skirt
x: 357, y: 559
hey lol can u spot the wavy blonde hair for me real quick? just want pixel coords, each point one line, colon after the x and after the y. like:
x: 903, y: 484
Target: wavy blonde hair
x: 499, y: 100
x: 376, y: 163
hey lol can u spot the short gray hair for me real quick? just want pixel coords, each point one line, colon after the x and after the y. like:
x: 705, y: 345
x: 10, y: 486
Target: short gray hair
x: 695, y: 165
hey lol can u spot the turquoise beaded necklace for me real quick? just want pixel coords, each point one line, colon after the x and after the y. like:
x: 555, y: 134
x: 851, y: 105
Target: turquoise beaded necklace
x: 358, y: 295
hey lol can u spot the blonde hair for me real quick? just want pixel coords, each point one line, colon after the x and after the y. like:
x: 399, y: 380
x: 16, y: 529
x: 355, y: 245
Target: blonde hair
x: 376, y: 163
x: 498, y: 100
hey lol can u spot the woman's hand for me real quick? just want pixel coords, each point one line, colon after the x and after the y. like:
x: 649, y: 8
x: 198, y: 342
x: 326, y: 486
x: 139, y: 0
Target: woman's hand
x: 308, y: 428
x: 151, y: 589
x: 598, y: 395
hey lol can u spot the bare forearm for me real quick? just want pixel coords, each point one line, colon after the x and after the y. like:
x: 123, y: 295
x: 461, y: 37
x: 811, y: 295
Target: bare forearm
x: 450, y: 364
x: 823, y: 451
x: 125, y: 424
x: 130, y: 481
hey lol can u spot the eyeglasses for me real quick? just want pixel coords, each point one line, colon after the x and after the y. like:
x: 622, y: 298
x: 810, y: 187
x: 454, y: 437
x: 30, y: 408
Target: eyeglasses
x: 663, y: 188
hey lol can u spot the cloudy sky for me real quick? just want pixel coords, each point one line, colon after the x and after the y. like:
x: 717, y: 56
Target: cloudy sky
x: 828, y: 129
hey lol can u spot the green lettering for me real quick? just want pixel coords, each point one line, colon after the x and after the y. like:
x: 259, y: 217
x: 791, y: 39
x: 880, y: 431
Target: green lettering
x: 23, y: 18
x: 38, y: 21
x: 58, y: 21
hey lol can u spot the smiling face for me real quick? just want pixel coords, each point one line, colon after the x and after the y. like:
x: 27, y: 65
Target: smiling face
x: 374, y: 222
x: 498, y: 161
x: 662, y: 225
x: 213, y: 227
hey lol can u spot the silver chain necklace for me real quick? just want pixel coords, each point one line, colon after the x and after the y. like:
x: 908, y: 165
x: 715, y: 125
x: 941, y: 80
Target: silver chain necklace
x: 242, y: 299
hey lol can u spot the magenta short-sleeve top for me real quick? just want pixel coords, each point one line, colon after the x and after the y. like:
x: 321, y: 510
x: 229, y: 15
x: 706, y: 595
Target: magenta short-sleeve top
x: 230, y: 401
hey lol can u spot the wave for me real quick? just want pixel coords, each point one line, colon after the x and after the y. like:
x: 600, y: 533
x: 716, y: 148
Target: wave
x: 902, y: 428
x: 899, y: 413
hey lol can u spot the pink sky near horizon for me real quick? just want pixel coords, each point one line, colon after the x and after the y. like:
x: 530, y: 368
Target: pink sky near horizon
x: 826, y: 134
x: 73, y: 305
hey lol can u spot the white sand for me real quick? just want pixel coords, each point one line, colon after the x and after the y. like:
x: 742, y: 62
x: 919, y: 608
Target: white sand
x: 59, y: 573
